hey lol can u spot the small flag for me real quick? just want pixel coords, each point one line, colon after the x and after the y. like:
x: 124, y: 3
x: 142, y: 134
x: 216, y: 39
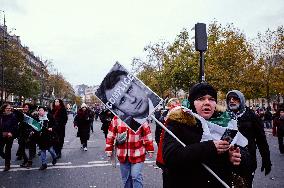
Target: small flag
x: 32, y: 122
x: 52, y: 93
x: 213, y: 131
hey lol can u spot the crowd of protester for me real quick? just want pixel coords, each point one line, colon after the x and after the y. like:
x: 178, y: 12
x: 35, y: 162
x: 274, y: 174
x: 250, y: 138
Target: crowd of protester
x: 41, y: 128
x: 34, y: 127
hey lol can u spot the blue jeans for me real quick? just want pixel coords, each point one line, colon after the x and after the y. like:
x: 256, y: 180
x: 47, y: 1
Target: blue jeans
x: 268, y: 124
x: 131, y: 174
x: 43, y: 155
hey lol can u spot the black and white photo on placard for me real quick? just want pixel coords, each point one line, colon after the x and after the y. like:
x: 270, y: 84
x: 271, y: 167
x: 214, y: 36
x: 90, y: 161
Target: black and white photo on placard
x: 127, y: 97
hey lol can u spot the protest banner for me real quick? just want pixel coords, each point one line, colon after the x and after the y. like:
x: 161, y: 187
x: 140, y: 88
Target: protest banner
x: 127, y: 97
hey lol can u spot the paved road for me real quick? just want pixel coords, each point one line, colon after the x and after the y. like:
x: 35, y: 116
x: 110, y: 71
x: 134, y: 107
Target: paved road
x: 276, y: 178
x: 91, y: 168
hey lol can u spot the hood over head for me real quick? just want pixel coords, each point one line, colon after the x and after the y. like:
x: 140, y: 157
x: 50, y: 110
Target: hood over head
x: 240, y: 96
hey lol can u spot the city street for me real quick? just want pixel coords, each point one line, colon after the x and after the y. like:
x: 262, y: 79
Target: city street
x: 78, y: 168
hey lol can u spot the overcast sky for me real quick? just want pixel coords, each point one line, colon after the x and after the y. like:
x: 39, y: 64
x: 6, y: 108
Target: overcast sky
x: 84, y: 38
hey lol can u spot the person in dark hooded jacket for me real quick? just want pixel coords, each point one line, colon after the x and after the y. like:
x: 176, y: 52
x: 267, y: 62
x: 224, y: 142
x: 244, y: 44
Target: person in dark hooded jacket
x: 252, y: 128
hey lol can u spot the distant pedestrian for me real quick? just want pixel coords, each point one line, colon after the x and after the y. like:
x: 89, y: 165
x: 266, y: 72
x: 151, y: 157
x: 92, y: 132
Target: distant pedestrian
x: 74, y: 109
x: 92, y: 117
x: 97, y: 112
x: 268, y: 118
x: 60, y: 117
x: 106, y: 116
x: 278, y: 127
x: 8, y: 130
x: 82, y: 122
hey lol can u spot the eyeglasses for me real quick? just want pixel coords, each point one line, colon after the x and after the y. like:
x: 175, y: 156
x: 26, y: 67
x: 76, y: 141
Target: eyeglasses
x: 234, y: 98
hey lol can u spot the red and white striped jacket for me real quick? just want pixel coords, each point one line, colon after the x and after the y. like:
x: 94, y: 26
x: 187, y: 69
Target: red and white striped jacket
x: 136, y: 145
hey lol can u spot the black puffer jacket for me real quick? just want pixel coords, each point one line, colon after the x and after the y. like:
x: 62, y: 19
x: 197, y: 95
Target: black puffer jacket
x: 183, y: 164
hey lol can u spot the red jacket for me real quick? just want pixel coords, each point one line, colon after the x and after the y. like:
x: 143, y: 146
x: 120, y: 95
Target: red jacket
x: 136, y: 144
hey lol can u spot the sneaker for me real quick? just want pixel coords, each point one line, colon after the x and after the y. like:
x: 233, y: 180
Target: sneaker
x: 18, y: 158
x: 29, y: 165
x: 85, y: 149
x: 58, y: 156
x: 54, y: 161
x: 2, y: 154
x: 24, y: 164
x: 7, y: 168
x: 43, y: 167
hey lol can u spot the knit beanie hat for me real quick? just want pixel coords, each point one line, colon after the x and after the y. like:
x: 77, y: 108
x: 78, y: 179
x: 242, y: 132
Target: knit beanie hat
x: 84, y: 105
x: 199, y: 90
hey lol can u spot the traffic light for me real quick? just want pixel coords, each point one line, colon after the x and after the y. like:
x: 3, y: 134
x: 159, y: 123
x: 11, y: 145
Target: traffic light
x: 200, y: 37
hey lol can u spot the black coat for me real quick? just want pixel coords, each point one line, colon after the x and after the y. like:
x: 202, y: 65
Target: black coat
x: 278, y: 125
x: 60, y: 121
x: 46, y: 138
x: 106, y: 117
x: 252, y: 128
x: 183, y: 164
x: 8, y: 123
x: 83, y: 121
x: 25, y: 131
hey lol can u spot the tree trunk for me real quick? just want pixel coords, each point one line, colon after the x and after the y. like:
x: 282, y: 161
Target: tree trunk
x: 267, y: 93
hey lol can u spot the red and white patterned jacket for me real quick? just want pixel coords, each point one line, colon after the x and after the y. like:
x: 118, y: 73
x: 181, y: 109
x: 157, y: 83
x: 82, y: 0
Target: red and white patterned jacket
x: 136, y: 144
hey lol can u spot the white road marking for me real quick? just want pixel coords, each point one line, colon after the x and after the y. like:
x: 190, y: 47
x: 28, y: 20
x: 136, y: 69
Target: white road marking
x: 15, y: 168
x: 97, y: 162
x: 148, y: 162
x: 49, y: 164
x: 60, y: 167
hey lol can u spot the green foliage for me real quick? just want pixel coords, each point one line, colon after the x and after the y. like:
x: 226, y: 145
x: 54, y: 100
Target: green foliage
x: 270, y: 56
x: 231, y: 62
x: 20, y: 80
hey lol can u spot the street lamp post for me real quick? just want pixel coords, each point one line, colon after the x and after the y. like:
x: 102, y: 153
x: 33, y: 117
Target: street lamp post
x: 201, y: 46
x: 41, y: 92
x: 2, y: 83
x: 2, y: 59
